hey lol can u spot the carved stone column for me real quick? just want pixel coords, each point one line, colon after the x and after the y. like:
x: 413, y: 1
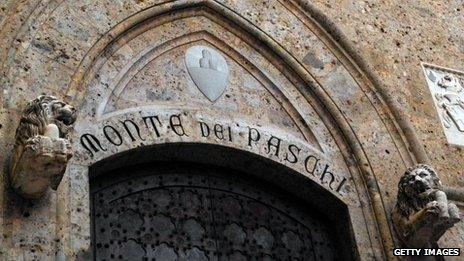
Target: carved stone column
x: 42, y: 148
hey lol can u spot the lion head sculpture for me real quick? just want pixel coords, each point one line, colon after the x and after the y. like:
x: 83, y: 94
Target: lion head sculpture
x: 422, y: 213
x: 41, y: 112
x: 415, y: 182
x: 42, y: 148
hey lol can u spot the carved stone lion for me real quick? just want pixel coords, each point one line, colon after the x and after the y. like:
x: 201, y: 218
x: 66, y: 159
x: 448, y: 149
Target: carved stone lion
x: 422, y: 213
x: 42, y: 148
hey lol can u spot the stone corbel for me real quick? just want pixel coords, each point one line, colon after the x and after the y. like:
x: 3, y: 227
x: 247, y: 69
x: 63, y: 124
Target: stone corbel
x: 42, y: 148
x: 422, y: 213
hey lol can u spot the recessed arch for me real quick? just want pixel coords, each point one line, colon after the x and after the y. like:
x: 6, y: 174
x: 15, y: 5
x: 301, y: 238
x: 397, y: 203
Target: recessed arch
x: 365, y: 139
x: 126, y: 75
x: 249, y: 163
x: 231, y: 164
x: 360, y: 167
x: 350, y: 142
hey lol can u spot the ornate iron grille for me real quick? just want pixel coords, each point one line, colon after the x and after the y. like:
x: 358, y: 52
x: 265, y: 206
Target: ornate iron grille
x: 196, y: 214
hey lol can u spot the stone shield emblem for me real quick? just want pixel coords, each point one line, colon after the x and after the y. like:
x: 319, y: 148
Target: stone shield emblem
x: 447, y: 89
x: 208, y: 69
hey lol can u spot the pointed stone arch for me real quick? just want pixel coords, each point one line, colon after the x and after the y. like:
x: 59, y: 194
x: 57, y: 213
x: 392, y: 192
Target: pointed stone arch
x: 346, y: 114
x: 314, y: 91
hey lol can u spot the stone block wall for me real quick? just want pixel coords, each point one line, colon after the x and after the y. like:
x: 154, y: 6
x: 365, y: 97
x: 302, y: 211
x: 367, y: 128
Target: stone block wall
x: 374, y: 49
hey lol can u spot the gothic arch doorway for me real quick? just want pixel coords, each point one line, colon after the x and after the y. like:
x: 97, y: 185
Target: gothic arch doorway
x: 134, y: 90
x: 181, y: 210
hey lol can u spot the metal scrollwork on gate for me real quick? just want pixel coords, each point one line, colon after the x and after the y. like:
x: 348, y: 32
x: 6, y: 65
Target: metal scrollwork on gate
x: 201, y: 217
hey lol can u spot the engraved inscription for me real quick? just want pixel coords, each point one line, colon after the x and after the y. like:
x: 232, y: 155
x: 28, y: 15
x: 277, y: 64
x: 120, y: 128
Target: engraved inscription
x: 144, y: 130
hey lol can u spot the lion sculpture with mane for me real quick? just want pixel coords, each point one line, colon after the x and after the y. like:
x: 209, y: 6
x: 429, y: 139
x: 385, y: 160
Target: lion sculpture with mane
x: 422, y: 213
x: 42, y: 148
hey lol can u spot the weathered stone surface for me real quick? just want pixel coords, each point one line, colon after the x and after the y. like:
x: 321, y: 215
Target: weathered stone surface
x: 345, y: 96
x: 40, y: 166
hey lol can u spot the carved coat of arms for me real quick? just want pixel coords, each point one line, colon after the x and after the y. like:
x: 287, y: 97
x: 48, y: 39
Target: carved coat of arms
x: 208, y: 70
x: 447, y: 89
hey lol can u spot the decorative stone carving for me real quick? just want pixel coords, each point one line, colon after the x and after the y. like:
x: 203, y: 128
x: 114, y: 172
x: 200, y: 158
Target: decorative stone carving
x: 208, y: 69
x: 447, y: 90
x: 42, y: 148
x: 422, y: 213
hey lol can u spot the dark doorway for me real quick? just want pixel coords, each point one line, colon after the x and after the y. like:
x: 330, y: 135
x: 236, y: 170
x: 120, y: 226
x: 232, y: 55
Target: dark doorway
x: 185, y: 211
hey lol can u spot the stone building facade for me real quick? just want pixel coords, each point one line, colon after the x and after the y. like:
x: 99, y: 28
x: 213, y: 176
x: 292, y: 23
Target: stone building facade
x: 195, y: 109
